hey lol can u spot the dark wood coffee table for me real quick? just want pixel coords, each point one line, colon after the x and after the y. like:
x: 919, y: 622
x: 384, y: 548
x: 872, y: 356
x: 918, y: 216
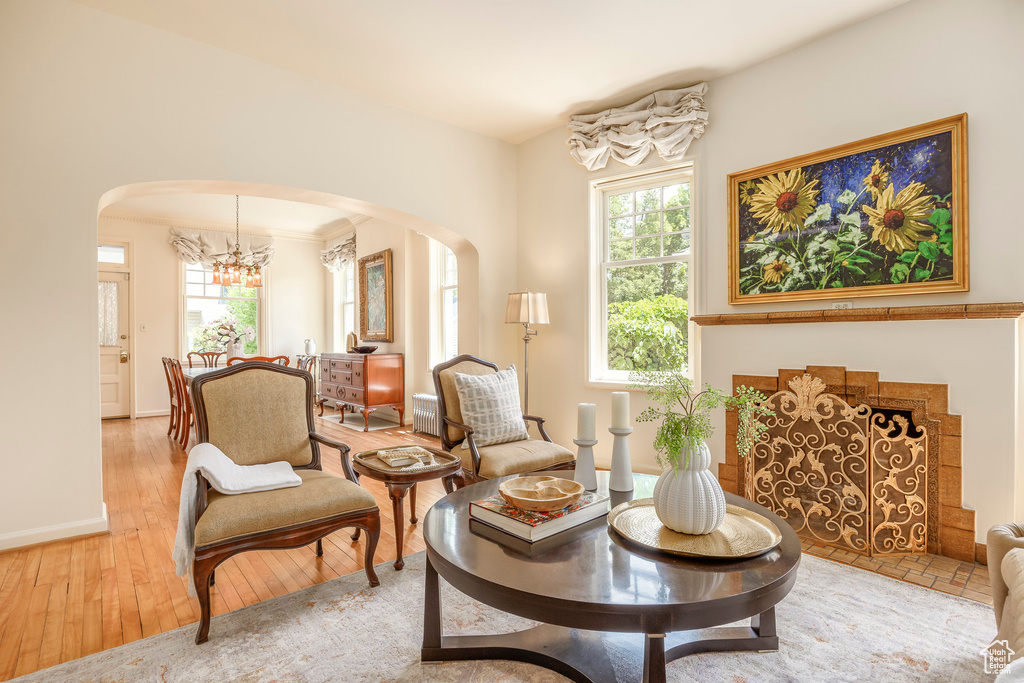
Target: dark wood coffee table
x: 400, y: 482
x: 595, y: 592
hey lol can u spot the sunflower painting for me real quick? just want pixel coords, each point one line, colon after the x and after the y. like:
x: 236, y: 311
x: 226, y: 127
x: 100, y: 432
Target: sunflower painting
x: 881, y: 216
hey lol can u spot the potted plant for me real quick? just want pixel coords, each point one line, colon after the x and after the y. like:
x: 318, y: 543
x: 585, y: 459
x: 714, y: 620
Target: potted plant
x: 687, y: 496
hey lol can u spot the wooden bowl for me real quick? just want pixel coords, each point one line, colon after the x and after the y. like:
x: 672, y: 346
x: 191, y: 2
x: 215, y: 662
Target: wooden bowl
x: 364, y: 349
x: 540, y: 494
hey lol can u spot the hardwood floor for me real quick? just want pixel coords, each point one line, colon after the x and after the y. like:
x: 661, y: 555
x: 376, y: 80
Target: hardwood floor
x: 64, y: 600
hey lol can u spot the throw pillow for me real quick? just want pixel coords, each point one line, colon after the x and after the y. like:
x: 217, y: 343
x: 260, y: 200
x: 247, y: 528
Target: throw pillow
x: 490, y: 405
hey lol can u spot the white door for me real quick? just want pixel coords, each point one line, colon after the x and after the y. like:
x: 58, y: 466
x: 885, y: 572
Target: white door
x: 114, y: 328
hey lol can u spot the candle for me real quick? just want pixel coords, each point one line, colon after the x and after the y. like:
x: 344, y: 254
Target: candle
x: 620, y: 410
x: 586, y: 422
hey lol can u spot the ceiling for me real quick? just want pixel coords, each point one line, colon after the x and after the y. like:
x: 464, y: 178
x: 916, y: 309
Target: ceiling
x: 256, y: 214
x: 509, y: 70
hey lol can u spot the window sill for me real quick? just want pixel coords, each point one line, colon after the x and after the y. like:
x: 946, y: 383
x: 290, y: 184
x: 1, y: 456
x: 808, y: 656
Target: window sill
x: 611, y: 385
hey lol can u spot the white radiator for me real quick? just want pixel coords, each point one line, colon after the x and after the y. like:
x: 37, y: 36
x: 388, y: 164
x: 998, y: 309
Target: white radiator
x: 426, y: 415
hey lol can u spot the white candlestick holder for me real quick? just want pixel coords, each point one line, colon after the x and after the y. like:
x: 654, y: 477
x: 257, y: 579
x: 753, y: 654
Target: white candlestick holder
x: 621, y: 478
x: 586, y: 471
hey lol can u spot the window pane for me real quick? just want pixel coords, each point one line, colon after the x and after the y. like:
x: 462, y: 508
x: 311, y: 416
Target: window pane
x: 648, y: 200
x: 619, y: 204
x: 648, y: 246
x: 451, y: 276
x: 677, y: 244
x: 109, y: 321
x: 450, y: 311
x: 620, y: 227
x: 193, y: 289
x: 677, y: 220
x: 205, y: 317
x: 620, y: 251
x: 647, y: 317
x: 109, y: 253
x: 677, y: 195
x: 648, y: 224
x: 194, y: 276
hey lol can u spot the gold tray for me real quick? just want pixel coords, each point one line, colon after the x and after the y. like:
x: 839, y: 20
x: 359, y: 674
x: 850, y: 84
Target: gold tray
x: 742, y: 533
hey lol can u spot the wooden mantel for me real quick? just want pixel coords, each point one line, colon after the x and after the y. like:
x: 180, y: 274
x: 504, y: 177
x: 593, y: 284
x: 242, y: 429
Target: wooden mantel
x: 1012, y: 309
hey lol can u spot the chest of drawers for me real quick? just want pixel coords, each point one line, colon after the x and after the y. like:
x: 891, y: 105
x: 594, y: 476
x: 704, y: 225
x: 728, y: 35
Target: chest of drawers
x: 363, y: 382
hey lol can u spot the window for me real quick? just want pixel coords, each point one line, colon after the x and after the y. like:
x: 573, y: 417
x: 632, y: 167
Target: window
x: 444, y: 307
x: 208, y: 307
x: 347, y: 298
x: 642, y: 264
x: 111, y: 253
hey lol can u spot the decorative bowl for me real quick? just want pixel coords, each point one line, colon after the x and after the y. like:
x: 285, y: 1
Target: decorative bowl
x: 540, y: 494
x: 364, y: 349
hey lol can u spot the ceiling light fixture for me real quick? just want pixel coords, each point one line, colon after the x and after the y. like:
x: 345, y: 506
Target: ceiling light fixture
x: 235, y: 271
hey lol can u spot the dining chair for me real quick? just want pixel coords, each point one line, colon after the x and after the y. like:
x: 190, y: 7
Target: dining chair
x: 498, y: 460
x: 186, y: 417
x: 280, y: 360
x: 173, y: 392
x: 260, y: 413
x: 209, y: 358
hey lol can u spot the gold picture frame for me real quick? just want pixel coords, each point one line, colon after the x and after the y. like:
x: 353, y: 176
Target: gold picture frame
x: 883, y: 216
x: 376, y: 305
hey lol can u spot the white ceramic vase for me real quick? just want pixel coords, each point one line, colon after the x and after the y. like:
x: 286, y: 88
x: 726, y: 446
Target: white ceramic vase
x: 690, y: 500
x: 236, y: 350
x: 310, y: 347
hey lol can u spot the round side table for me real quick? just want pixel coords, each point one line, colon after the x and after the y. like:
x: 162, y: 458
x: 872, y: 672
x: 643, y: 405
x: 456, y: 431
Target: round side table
x: 402, y: 481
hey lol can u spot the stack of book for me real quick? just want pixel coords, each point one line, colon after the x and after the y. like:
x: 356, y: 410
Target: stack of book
x: 533, y: 526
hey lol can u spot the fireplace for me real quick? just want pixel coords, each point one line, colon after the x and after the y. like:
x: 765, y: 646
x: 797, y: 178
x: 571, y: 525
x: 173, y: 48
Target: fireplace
x: 850, y: 462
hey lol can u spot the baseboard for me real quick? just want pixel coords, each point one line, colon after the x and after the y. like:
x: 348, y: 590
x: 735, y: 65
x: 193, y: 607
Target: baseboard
x: 152, y: 413
x: 88, y: 527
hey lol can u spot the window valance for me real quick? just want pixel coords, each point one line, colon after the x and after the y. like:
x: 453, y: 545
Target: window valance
x: 340, y: 255
x: 208, y: 246
x: 666, y: 121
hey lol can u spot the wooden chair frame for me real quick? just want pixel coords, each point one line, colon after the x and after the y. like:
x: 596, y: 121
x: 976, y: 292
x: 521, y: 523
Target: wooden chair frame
x: 266, y: 359
x: 448, y: 444
x: 207, y: 557
x: 186, y: 415
x: 209, y: 358
x: 172, y: 390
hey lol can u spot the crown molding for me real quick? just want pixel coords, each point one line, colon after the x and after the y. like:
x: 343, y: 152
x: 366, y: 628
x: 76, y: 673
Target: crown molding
x: 243, y: 229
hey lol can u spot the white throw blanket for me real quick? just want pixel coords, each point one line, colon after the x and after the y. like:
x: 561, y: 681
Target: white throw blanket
x: 227, y: 477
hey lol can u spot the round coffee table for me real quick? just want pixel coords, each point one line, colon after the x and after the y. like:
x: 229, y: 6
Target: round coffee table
x: 595, y: 592
x: 400, y: 482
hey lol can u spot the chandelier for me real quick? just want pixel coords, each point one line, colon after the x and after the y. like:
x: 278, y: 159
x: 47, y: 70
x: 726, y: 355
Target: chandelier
x: 234, y: 271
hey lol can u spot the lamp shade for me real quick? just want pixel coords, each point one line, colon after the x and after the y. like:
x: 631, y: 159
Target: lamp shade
x: 527, y: 308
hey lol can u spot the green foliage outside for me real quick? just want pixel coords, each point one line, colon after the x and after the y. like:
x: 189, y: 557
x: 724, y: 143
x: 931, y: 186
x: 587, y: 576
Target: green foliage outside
x: 647, y: 317
x: 242, y: 314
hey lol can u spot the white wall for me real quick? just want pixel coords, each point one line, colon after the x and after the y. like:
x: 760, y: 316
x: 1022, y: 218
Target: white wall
x: 91, y: 102
x: 917, y: 63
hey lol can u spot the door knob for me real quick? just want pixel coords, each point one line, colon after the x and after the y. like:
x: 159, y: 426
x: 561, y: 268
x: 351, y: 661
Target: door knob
x: 124, y: 356
x: 124, y: 336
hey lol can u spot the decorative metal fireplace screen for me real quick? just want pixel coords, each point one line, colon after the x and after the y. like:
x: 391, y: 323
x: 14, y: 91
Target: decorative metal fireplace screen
x: 852, y: 477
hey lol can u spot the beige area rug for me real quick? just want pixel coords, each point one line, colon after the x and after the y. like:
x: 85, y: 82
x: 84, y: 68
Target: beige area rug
x: 838, y: 624
x: 355, y: 421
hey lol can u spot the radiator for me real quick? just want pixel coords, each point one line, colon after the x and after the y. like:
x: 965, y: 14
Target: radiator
x: 425, y: 414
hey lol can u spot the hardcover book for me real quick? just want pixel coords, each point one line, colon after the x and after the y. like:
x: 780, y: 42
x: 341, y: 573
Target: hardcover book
x: 533, y: 526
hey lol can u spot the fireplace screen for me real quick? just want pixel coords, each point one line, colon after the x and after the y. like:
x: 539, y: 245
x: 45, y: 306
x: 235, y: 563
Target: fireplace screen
x: 845, y: 476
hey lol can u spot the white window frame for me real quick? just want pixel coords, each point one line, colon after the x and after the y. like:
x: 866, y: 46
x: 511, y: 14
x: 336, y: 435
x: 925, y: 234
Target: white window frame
x: 439, y: 285
x: 597, y: 372
x: 262, y: 313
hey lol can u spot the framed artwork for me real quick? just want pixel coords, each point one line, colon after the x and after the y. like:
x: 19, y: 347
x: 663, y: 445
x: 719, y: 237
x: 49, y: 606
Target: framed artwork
x: 376, y: 309
x: 881, y: 216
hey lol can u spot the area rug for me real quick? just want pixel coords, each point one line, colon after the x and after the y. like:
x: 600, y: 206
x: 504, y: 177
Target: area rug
x: 838, y: 624
x: 355, y: 421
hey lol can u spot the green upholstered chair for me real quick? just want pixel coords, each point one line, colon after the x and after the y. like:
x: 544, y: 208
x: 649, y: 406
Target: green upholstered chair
x: 258, y: 412
x: 498, y: 460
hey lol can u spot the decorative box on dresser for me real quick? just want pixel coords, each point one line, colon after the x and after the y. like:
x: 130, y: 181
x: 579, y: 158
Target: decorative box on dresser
x: 363, y: 382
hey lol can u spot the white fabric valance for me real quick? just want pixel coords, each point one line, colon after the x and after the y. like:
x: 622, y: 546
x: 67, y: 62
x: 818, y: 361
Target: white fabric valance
x: 340, y: 255
x: 667, y: 121
x: 207, y: 247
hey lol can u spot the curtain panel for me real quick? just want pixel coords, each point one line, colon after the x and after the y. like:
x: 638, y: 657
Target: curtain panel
x: 666, y: 121
x: 340, y: 255
x: 208, y: 246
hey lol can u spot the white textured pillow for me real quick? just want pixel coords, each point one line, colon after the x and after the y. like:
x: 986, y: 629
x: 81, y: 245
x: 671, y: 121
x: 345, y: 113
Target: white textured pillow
x: 490, y: 405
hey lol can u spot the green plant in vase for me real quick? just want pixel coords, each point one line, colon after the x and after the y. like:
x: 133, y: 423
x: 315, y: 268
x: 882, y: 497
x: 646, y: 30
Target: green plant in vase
x: 688, y: 497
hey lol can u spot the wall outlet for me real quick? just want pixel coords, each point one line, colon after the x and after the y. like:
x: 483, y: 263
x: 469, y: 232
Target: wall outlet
x: 841, y: 305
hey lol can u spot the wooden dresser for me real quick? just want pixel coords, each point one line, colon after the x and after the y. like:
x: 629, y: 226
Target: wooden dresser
x: 363, y: 382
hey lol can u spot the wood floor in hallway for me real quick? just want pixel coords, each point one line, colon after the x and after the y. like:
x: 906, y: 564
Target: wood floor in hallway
x: 67, y: 599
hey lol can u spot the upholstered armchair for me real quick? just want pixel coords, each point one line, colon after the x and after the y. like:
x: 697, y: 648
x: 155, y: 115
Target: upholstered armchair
x: 498, y: 460
x: 259, y: 412
x: 1003, y: 538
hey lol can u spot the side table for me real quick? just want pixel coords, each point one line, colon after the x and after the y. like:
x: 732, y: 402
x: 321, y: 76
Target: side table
x: 401, y: 481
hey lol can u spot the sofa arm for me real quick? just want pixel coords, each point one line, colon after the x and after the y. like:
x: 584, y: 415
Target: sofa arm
x: 1002, y: 538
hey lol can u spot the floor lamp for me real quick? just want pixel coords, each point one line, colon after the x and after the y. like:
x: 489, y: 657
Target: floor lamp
x: 527, y: 308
